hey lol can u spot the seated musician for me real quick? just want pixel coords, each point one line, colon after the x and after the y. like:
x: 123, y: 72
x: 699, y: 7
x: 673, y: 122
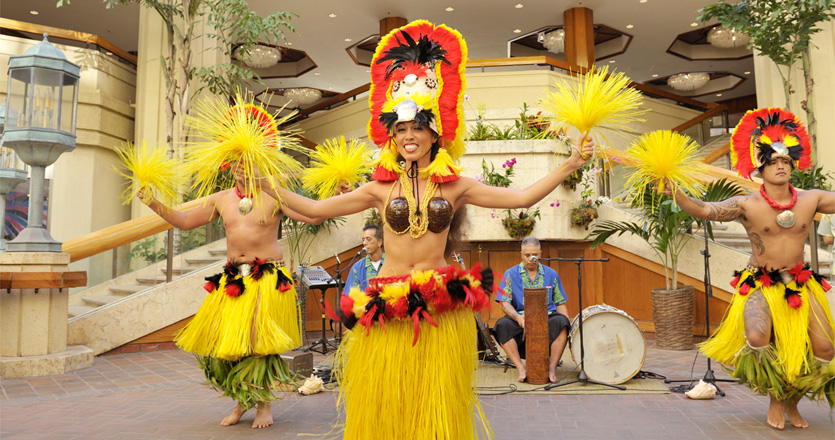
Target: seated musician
x: 369, y: 266
x: 510, y: 329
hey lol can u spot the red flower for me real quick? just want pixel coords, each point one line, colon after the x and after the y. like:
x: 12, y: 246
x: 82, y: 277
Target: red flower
x: 794, y: 301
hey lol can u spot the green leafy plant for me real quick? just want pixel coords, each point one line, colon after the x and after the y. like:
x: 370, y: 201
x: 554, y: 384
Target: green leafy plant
x: 520, y: 224
x: 374, y: 218
x: 665, y: 227
x: 782, y: 31
x: 493, y: 178
x: 811, y: 178
x: 146, y: 250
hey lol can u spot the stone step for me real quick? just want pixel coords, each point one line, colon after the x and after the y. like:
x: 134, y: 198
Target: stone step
x: 202, y: 261
x: 100, y: 300
x: 179, y: 270
x: 73, y: 311
x: 151, y: 281
x: 126, y: 290
x: 218, y: 252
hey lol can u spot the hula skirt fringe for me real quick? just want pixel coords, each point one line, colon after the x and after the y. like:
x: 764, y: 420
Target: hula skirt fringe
x: 244, y: 314
x: 787, y: 367
x: 249, y: 381
x: 408, y: 372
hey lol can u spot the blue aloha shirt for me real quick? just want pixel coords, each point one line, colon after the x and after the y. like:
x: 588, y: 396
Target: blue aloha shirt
x: 516, y: 279
x: 360, y: 273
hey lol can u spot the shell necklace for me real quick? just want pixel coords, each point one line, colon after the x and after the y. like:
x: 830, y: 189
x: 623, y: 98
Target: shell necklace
x: 245, y: 205
x: 785, y: 219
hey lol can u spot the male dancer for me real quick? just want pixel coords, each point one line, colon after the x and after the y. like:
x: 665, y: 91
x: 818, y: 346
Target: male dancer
x: 254, y: 274
x: 778, y: 333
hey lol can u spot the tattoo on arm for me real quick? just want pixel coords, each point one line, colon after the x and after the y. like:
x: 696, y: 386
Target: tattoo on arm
x: 757, y: 242
x: 724, y: 211
x: 698, y: 202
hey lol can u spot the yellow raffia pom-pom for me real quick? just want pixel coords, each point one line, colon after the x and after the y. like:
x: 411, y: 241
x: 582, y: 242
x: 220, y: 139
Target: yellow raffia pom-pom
x: 664, y: 154
x: 245, y: 133
x: 443, y: 166
x: 149, y: 170
x: 334, y: 162
x: 594, y: 102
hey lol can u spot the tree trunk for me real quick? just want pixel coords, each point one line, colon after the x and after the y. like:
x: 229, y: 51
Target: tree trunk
x: 808, y: 103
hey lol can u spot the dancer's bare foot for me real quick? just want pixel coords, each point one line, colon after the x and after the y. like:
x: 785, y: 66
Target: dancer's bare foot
x: 523, y: 374
x: 233, y: 418
x: 264, y: 416
x: 794, y: 415
x: 776, y: 414
x: 552, y: 376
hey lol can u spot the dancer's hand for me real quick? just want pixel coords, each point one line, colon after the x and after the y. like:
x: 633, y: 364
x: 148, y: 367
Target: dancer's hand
x: 343, y: 188
x: 581, y: 151
x: 668, y: 190
x: 145, y: 197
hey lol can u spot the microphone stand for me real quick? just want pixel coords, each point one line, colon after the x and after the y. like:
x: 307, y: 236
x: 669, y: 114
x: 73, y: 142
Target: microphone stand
x: 709, y: 376
x: 581, y: 376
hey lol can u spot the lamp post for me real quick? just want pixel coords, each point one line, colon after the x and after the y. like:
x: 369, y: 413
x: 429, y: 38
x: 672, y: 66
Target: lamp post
x: 10, y: 177
x: 43, y: 97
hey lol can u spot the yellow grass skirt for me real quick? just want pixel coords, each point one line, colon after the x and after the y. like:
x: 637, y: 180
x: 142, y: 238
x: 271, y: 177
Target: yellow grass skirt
x: 260, y: 320
x: 790, y: 316
x: 391, y: 389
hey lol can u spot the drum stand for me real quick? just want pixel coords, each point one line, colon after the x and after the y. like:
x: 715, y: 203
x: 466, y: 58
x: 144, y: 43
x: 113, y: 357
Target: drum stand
x: 709, y: 376
x: 581, y: 376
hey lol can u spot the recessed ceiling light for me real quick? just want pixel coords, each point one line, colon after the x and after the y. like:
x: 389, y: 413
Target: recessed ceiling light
x: 694, y: 24
x: 630, y: 26
x: 517, y: 31
x: 611, y: 61
x: 747, y: 72
x: 330, y: 88
x: 317, y: 73
x: 367, y: 70
x: 643, y: 1
x: 34, y: 12
x: 449, y: 9
x: 718, y: 94
x: 655, y: 75
x: 519, y: 6
x: 348, y: 40
x: 332, y: 15
x: 109, y: 53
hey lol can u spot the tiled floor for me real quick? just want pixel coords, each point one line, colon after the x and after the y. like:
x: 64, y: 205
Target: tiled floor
x: 159, y: 395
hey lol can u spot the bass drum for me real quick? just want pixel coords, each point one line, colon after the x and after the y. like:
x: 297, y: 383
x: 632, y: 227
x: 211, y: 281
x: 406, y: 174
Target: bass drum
x: 614, y: 345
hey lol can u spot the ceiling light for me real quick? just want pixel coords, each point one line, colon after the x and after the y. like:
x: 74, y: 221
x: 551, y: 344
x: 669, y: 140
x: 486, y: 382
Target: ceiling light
x: 303, y: 95
x: 34, y: 12
x: 516, y: 31
x: 554, y: 41
x: 317, y: 73
x: 289, y: 43
x: 727, y: 38
x: 330, y: 88
x: 519, y: 6
x: 655, y: 75
x: 643, y: 1
x: 347, y: 40
x: 629, y: 26
x: 449, y: 9
x: 688, y: 81
x: 694, y: 24
x: 258, y: 56
x: 718, y: 94
x: 611, y: 61
x: 367, y: 70
x: 332, y: 15
x: 747, y: 72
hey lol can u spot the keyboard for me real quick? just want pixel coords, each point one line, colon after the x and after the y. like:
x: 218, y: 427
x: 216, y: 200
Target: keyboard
x: 316, y: 277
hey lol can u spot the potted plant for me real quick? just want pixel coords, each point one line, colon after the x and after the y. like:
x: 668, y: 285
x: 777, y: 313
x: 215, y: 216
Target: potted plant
x: 586, y: 210
x: 667, y: 229
x: 520, y: 225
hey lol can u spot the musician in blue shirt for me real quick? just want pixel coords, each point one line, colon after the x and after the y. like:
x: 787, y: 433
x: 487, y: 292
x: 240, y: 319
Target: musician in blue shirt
x: 369, y: 266
x: 510, y: 329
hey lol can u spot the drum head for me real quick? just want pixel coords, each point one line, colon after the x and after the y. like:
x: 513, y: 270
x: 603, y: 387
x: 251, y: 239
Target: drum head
x: 614, y: 345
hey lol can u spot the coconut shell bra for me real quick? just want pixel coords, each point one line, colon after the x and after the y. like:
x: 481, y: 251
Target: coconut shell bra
x: 407, y: 214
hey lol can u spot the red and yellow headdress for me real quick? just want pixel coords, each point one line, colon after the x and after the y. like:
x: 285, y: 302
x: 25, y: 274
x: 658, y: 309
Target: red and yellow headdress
x: 765, y: 134
x: 417, y: 74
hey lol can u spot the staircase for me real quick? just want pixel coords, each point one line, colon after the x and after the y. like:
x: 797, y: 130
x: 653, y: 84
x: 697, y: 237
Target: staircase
x: 714, y: 144
x: 144, y: 279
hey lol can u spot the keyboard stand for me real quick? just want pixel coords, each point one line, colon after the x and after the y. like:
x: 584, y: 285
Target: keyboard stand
x: 323, y: 341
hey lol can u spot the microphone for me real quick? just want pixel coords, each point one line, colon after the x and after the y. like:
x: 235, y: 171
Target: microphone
x: 336, y: 254
x: 534, y: 259
x: 362, y: 251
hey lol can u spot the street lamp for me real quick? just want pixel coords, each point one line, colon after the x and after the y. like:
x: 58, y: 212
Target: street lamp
x: 40, y: 125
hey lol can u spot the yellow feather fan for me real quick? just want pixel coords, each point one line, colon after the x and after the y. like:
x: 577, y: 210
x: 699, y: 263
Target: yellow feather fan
x: 593, y: 101
x: 664, y: 155
x: 334, y: 162
x: 149, y: 170
x: 244, y: 133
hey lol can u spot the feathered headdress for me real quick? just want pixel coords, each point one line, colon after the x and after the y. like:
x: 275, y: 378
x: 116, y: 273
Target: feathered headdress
x: 766, y: 133
x: 242, y: 132
x: 417, y: 74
